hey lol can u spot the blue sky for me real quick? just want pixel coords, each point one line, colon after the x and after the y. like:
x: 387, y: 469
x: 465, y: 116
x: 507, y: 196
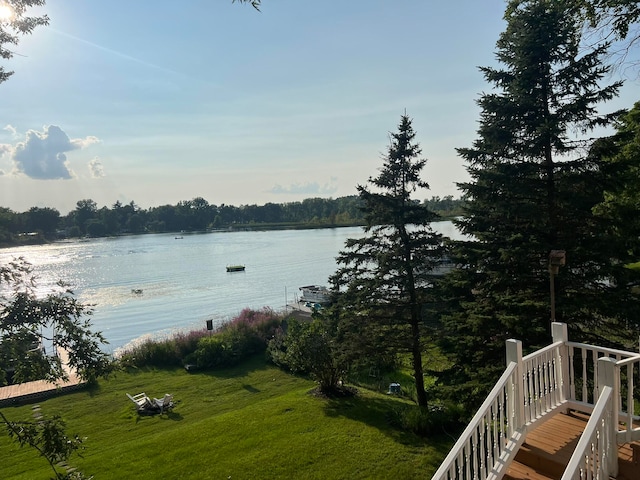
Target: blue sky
x: 157, y: 102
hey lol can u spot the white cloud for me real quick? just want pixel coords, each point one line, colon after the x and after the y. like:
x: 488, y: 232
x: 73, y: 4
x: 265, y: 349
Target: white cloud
x: 96, y: 168
x: 309, y: 188
x: 12, y: 130
x: 84, y: 142
x: 42, y: 155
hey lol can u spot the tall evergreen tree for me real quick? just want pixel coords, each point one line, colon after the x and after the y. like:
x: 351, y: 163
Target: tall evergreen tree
x: 617, y: 224
x: 384, y: 277
x: 531, y: 193
x: 621, y: 204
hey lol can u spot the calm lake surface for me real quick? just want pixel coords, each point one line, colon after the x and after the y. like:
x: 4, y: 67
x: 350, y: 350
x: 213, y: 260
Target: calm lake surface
x: 184, y: 281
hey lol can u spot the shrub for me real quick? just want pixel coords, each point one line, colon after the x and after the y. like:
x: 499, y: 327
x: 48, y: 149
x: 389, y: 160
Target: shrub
x: 308, y: 347
x: 230, y: 343
x: 212, y: 351
x: 434, y: 419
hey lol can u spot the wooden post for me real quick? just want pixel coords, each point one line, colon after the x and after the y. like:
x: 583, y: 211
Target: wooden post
x: 559, y: 332
x: 514, y: 354
x: 608, y: 375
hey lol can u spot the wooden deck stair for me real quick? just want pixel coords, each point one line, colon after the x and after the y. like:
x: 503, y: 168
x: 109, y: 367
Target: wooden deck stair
x: 548, y: 448
x: 527, y: 400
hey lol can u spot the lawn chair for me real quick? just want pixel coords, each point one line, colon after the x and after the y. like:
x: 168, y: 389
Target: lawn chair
x: 143, y: 402
x: 164, y: 403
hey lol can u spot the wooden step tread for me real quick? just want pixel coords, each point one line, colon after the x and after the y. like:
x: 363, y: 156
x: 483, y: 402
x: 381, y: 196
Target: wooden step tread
x: 519, y: 471
x: 548, y: 449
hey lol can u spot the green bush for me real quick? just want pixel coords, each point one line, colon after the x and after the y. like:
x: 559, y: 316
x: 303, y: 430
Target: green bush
x: 308, y: 347
x: 212, y: 351
x: 424, y: 421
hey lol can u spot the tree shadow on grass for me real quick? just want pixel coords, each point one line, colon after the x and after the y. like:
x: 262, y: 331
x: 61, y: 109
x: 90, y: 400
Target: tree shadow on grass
x: 93, y: 389
x: 375, y: 412
x: 252, y: 364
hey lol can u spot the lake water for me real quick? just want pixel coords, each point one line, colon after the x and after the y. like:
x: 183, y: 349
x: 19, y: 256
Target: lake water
x: 184, y: 281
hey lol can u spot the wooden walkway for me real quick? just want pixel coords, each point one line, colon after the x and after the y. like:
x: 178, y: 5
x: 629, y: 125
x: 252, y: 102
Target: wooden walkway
x: 15, y: 394
x: 548, y: 448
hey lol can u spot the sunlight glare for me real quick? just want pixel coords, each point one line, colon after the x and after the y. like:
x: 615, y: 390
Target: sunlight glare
x: 6, y: 12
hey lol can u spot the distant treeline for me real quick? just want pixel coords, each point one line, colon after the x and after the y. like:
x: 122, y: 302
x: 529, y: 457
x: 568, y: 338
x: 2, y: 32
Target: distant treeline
x: 40, y: 225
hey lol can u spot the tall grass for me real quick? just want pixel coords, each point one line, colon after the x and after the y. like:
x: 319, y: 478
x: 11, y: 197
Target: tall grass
x: 230, y: 343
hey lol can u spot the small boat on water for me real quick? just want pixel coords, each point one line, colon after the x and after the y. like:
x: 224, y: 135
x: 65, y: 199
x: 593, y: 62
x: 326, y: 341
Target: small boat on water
x: 235, y: 268
x: 315, y: 294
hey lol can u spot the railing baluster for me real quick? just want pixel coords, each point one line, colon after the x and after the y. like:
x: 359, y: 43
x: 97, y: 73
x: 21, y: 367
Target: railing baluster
x: 481, y: 448
x: 555, y: 380
x: 464, y: 462
x: 572, y: 375
x: 496, y: 432
x: 484, y: 444
x: 540, y: 401
x: 547, y: 383
x: 533, y: 395
x: 596, y: 388
x: 525, y: 393
x: 630, y: 402
x: 584, y: 375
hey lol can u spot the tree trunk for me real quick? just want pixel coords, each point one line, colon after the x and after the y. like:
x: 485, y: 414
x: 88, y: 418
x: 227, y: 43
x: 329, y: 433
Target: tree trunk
x: 416, y: 351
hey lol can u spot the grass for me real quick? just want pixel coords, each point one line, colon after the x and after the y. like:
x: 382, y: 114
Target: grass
x: 246, y: 422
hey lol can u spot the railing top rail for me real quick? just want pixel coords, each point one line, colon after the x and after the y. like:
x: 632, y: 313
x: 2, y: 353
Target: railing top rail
x: 627, y: 361
x: 613, y: 351
x: 475, y: 421
x: 541, y: 351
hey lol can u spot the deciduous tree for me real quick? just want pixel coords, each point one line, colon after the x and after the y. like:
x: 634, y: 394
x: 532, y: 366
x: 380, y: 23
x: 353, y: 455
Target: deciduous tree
x: 46, y: 220
x: 25, y: 321
x: 309, y: 347
x: 254, y: 3
x: 28, y: 322
x: 611, y: 20
x: 47, y: 436
x: 15, y: 22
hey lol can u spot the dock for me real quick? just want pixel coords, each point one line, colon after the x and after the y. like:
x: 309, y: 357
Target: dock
x: 25, y: 392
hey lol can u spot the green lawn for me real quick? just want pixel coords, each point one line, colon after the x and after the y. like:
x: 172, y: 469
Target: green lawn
x: 250, y: 422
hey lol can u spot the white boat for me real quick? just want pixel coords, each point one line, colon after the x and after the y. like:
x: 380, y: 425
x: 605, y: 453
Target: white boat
x: 315, y: 294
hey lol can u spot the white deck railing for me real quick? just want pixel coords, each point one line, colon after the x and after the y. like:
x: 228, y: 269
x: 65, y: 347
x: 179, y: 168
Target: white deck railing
x: 627, y: 369
x: 484, y: 440
x: 543, y: 381
x: 595, y: 456
x: 561, y: 374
